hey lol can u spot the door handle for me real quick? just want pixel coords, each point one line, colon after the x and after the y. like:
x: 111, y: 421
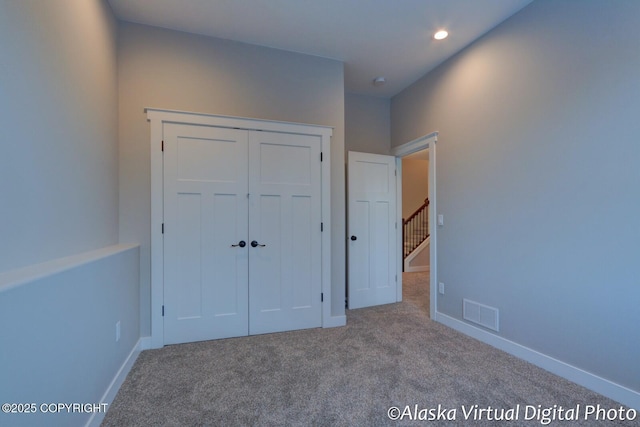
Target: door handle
x: 241, y: 243
x: 256, y: 244
x: 354, y: 238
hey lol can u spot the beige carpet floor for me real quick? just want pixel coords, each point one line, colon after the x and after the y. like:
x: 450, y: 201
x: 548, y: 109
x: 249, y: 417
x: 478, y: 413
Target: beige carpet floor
x: 390, y: 356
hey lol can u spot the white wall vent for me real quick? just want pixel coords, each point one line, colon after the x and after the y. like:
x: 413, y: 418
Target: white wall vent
x: 481, y: 314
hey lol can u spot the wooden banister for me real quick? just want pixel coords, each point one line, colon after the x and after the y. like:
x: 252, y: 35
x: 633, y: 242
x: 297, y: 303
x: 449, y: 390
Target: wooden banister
x: 417, y: 212
x: 415, y: 229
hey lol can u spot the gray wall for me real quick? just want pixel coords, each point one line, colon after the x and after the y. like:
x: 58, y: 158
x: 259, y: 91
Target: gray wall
x: 538, y: 179
x: 172, y: 70
x: 367, y: 124
x: 59, y: 190
x: 58, y: 114
x: 63, y: 348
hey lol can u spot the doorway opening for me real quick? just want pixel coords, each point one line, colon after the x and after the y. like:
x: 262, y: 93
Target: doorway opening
x: 420, y: 284
x: 415, y: 229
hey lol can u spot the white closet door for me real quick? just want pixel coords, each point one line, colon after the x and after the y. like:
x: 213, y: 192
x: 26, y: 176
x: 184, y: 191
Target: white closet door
x: 205, y: 214
x: 372, y: 229
x: 284, y: 218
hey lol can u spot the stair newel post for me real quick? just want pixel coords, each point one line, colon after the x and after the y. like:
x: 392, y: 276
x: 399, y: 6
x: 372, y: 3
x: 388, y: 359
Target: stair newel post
x: 402, y: 246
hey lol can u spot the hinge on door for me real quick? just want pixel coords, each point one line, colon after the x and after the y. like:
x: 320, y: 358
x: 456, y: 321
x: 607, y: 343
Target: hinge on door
x: 395, y: 172
x: 322, y: 297
x: 321, y: 226
x: 163, y: 228
x: 396, y: 278
x: 163, y: 311
x: 321, y: 156
x: 162, y: 146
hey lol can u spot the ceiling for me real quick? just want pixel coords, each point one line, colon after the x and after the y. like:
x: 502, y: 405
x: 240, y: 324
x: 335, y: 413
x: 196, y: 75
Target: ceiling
x: 389, y: 38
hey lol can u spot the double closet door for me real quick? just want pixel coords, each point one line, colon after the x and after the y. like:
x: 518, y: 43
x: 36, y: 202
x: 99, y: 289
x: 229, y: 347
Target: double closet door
x: 242, y: 233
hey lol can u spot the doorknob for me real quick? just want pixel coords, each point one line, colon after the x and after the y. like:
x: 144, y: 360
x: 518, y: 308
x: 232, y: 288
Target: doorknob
x: 354, y: 238
x: 256, y: 244
x: 241, y: 243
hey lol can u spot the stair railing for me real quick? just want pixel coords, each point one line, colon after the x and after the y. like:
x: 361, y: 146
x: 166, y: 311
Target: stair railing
x: 415, y: 229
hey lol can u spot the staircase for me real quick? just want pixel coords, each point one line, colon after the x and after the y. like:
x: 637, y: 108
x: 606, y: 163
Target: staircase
x: 415, y: 229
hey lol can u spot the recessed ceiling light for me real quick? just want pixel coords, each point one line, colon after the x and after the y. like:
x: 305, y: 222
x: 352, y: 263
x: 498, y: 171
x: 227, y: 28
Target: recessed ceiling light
x: 442, y: 34
x: 379, y: 81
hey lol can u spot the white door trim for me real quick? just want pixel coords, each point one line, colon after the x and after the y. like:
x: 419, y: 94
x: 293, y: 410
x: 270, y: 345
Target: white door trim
x: 427, y: 141
x: 157, y: 118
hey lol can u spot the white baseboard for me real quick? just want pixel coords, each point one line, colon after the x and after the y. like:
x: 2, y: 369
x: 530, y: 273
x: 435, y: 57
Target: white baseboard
x: 617, y: 392
x: 116, y: 383
x: 335, y: 321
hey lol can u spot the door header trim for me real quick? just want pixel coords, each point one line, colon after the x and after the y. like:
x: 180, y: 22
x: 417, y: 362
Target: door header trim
x: 175, y: 116
x: 415, y: 145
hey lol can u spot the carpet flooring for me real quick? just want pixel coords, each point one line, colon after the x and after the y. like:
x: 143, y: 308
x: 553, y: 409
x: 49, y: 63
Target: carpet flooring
x: 387, y: 356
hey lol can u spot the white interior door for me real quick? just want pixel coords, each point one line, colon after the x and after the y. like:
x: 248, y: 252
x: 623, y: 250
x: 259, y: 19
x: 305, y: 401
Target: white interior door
x: 205, y: 217
x: 242, y: 232
x: 372, y: 230
x: 284, y: 217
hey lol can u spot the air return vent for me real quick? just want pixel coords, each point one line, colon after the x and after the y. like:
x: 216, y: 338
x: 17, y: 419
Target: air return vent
x: 481, y: 314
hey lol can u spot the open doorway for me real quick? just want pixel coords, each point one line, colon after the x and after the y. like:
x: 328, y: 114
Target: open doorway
x: 422, y: 277
x: 415, y: 211
x: 415, y: 229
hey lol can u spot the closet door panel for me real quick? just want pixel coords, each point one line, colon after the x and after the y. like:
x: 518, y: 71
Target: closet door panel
x: 284, y: 216
x: 205, y: 213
